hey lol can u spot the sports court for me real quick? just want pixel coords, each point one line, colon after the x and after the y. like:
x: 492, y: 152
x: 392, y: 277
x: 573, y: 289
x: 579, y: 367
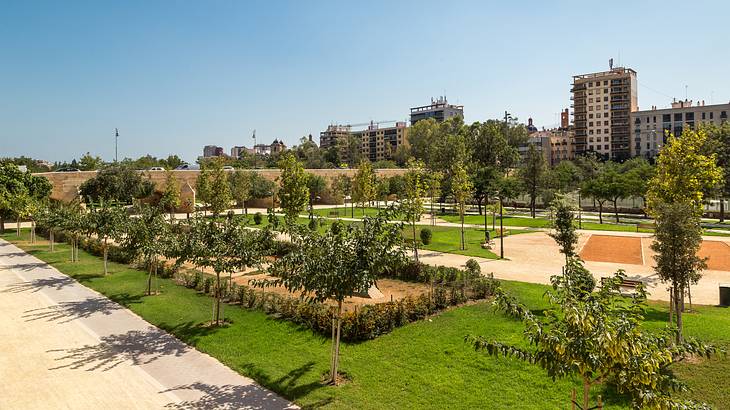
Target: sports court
x: 614, y: 249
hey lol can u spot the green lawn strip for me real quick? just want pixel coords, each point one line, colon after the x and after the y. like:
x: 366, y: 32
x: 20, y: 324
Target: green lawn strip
x: 345, y: 212
x: 421, y: 365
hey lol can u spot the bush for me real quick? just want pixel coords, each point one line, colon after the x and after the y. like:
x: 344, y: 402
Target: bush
x: 313, y: 224
x: 473, y: 268
x: 337, y: 227
x: 426, y: 236
x: 258, y: 218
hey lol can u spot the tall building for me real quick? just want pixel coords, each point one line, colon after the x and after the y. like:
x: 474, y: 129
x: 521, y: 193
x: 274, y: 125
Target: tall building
x: 212, y: 151
x: 651, y: 127
x: 333, y: 134
x: 439, y: 109
x: 237, y: 151
x: 378, y: 144
x: 602, y: 105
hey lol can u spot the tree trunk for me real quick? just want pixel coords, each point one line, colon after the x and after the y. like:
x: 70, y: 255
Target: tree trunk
x: 17, y: 221
x: 415, y: 244
x: 32, y: 231
x: 532, y: 206
x: 336, y: 359
x: 433, y: 216
x: 671, y: 305
x: 600, y: 213
x: 615, y: 209
x: 2, y: 224
x: 216, y: 316
x: 722, y: 210
x: 463, y: 245
x: 149, y: 278
x: 50, y: 236
x: 106, y: 252
x: 494, y: 221
x: 586, y: 393
x: 479, y: 205
x: 678, y: 291
x: 689, y: 295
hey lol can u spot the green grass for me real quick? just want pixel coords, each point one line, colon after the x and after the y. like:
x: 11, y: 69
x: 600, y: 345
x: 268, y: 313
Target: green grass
x: 345, y: 212
x: 421, y: 365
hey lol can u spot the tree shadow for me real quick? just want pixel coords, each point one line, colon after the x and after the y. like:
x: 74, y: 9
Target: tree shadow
x: 67, y: 311
x: 189, y: 332
x: 27, y: 267
x: 14, y: 254
x: 35, y: 285
x: 289, y: 383
x: 224, y: 397
x: 135, y: 346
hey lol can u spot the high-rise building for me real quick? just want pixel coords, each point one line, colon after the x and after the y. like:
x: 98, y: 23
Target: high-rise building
x: 237, y: 151
x: 212, y: 151
x: 602, y: 105
x: 378, y: 144
x: 439, y: 109
x: 651, y: 127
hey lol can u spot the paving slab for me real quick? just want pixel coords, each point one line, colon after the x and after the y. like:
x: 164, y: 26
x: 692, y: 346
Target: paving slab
x: 65, y: 346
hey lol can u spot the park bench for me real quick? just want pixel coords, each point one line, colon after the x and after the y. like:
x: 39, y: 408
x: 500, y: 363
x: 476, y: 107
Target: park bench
x: 645, y: 225
x: 334, y: 214
x: 628, y: 284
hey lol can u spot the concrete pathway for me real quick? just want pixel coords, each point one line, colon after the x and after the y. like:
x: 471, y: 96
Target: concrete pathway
x: 66, y: 346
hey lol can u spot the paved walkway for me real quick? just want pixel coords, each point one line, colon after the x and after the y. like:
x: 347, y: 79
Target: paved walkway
x: 534, y: 257
x: 66, y: 346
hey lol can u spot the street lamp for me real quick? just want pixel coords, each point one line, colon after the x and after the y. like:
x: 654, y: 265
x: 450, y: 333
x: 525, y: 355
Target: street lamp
x: 348, y: 198
x: 580, y: 209
x: 501, y: 229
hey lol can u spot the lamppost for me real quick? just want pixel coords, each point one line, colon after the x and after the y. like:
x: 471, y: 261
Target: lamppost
x: 580, y: 209
x: 347, y: 198
x: 501, y: 230
x: 116, y: 144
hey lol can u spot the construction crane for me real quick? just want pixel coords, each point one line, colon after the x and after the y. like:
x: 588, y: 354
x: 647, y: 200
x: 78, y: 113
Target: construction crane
x: 365, y: 124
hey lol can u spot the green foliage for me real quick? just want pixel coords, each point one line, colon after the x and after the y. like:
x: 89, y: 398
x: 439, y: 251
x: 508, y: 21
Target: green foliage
x: 219, y: 195
x: 461, y: 189
x: 147, y: 235
x: 170, y: 199
x: 90, y: 163
x: 293, y: 194
x: 472, y: 266
x: 411, y: 202
x: 116, y: 183
x: 564, y: 232
x: 241, y: 186
x: 426, y: 236
x: 684, y: 172
x: 257, y: 218
x: 364, y: 185
x: 532, y: 174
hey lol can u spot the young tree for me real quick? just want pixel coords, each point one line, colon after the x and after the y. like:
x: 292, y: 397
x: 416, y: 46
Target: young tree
x: 241, y: 188
x: 106, y: 220
x: 597, y: 189
x: 170, y: 199
x: 316, y: 186
x: 461, y: 188
x: 146, y: 235
x: 338, y: 264
x: 261, y: 187
x: 719, y: 143
x: 532, y: 174
x: 220, y: 190
x: 411, y: 204
x: 433, y: 181
x: 564, y: 226
x: 202, y: 186
x: 90, y: 163
x: 293, y: 192
x: 364, y: 185
x: 118, y: 183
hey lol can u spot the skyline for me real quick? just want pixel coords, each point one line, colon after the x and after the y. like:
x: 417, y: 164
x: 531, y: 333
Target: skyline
x: 176, y: 77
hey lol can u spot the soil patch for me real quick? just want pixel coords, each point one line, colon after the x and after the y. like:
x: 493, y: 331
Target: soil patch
x: 718, y: 254
x: 392, y: 289
x: 615, y: 249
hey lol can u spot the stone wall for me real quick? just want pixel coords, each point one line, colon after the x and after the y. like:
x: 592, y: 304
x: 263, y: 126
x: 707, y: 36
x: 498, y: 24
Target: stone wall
x: 66, y: 184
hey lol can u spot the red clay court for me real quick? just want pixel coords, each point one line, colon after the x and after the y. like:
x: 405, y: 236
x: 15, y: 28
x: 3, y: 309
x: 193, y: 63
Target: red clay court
x: 718, y: 254
x: 614, y: 249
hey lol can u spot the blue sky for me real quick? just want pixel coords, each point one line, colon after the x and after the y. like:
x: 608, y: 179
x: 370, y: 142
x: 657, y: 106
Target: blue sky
x: 174, y: 76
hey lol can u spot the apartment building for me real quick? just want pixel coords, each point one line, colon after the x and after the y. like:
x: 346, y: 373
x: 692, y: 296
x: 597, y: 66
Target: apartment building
x: 379, y: 144
x: 652, y: 127
x: 602, y: 104
x: 439, y: 109
x: 212, y: 151
x: 562, y: 146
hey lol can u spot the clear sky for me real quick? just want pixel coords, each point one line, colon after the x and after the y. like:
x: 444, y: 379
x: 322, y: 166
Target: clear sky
x: 174, y: 76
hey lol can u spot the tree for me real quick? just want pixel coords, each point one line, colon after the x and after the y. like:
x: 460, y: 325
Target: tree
x: 461, y: 189
x: 220, y: 189
x: 532, y: 174
x: 22, y: 194
x: 107, y: 221
x: 90, y: 163
x: 337, y: 264
x: 147, y: 234
x: 116, y: 183
x: 684, y: 172
x: 170, y: 199
x: 316, y: 185
x: 241, y: 188
x: 433, y: 185
x: 293, y: 192
x: 350, y: 150
x: 411, y: 204
x: 565, y: 176
x: 364, y: 185
x: 261, y: 187
x: 203, y: 191
x: 597, y: 189
x: 73, y: 221
x: 637, y: 174
x: 564, y: 226
x: 719, y: 143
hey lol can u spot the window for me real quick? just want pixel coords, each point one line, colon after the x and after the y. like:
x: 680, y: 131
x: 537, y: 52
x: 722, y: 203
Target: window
x: 704, y: 114
x: 598, y: 131
x: 590, y: 115
x: 605, y: 82
x: 654, y: 120
x: 598, y: 115
x: 667, y: 117
x: 678, y: 117
x: 723, y: 114
x: 605, y: 123
x: 605, y: 106
x: 690, y: 116
x: 590, y: 147
x: 590, y: 84
x: 605, y: 147
x: 606, y: 131
x: 647, y: 120
x: 598, y: 107
x: 605, y: 90
x: 605, y: 139
x: 590, y: 132
x: 590, y: 139
x: 590, y: 108
x: 590, y: 100
x: 590, y: 124
x: 712, y: 114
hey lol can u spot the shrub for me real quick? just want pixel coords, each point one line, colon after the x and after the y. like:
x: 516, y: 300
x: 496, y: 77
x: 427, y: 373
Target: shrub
x: 426, y: 236
x: 473, y: 268
x: 258, y: 218
x: 337, y: 226
x: 313, y: 224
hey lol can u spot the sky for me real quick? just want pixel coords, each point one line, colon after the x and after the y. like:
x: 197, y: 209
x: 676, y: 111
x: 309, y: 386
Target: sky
x: 175, y: 76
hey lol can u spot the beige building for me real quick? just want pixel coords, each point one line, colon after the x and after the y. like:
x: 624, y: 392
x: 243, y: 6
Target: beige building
x: 379, y: 144
x: 650, y: 128
x: 602, y: 104
x: 562, y: 146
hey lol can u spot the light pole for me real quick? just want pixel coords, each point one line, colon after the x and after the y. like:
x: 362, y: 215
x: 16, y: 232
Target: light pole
x: 347, y: 198
x: 580, y: 211
x: 501, y: 230
x: 116, y: 144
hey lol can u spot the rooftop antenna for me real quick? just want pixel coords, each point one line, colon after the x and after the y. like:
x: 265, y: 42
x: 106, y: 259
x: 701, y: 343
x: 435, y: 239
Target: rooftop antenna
x: 610, y: 63
x: 116, y: 144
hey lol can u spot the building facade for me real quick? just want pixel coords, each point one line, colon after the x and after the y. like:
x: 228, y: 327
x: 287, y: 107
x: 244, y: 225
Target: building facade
x: 602, y: 107
x: 650, y: 128
x: 237, y: 151
x: 439, y: 109
x: 212, y: 151
x: 562, y: 146
x: 379, y: 144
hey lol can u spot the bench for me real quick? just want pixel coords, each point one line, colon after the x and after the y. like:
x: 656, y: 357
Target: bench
x: 334, y: 214
x: 630, y: 284
x: 649, y: 226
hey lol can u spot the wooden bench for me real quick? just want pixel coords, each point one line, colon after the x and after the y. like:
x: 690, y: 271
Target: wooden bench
x: 649, y: 226
x: 629, y: 284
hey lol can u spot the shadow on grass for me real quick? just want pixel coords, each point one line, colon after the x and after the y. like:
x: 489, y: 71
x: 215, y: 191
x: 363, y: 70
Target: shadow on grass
x: 67, y: 311
x: 136, y: 346
x: 228, y: 396
x: 189, y: 332
x: 289, y: 383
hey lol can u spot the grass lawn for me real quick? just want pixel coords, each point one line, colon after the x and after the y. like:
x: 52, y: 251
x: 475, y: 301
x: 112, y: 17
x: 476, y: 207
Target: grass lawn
x: 421, y: 365
x: 345, y: 212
